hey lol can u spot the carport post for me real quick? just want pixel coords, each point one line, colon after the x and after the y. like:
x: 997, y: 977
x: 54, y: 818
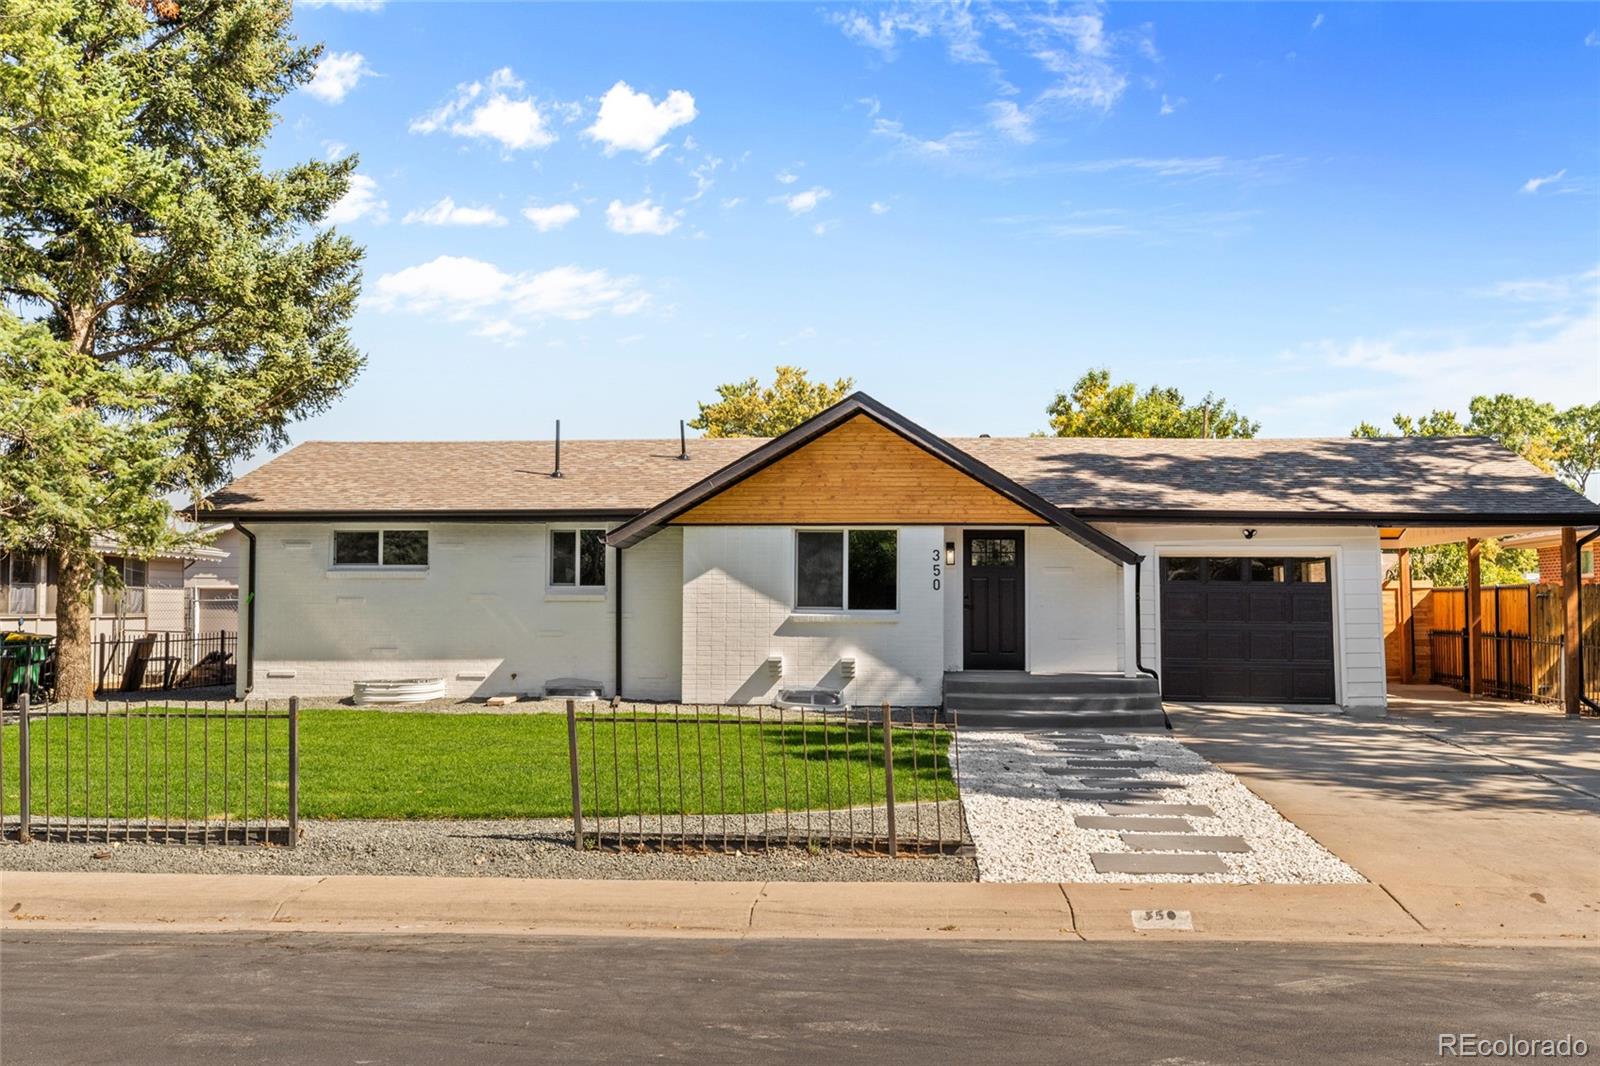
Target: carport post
x: 1571, y: 639
x: 1474, y: 607
x: 1403, y: 617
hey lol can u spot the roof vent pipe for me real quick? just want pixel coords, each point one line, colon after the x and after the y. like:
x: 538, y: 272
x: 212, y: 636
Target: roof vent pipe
x: 557, y: 471
x: 683, y: 441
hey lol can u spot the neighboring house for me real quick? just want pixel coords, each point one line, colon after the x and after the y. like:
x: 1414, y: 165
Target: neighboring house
x: 857, y: 552
x: 195, y: 590
x: 1547, y: 542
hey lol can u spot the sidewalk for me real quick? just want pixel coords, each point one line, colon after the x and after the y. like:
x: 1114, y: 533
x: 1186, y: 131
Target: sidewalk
x: 794, y: 910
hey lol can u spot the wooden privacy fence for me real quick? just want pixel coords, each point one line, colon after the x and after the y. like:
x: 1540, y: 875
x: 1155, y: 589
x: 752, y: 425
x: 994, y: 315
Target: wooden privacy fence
x: 1519, y: 650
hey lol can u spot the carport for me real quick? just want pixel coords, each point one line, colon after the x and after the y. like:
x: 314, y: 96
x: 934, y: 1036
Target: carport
x: 1573, y: 652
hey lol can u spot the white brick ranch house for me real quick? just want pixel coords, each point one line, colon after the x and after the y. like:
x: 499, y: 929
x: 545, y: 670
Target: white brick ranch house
x: 856, y: 552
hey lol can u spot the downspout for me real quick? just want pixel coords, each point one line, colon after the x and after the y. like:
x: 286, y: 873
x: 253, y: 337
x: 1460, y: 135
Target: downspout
x: 1138, y: 640
x: 617, y: 638
x: 1583, y: 699
x: 250, y: 612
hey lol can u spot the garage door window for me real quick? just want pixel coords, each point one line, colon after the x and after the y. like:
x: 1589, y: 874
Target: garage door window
x: 1230, y: 569
x: 1311, y: 571
x: 1182, y: 569
x: 1267, y: 570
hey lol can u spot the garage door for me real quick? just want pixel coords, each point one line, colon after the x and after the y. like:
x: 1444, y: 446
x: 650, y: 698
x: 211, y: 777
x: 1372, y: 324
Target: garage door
x: 1247, y: 629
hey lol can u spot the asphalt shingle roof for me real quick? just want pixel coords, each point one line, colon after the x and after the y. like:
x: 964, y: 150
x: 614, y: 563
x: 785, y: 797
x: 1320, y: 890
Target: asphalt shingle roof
x: 1448, y: 477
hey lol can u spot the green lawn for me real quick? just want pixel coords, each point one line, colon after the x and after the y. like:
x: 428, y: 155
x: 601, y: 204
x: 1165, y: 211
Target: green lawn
x: 377, y: 764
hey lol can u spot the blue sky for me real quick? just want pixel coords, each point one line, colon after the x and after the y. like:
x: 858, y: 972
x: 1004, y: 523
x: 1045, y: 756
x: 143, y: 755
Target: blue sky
x: 598, y: 212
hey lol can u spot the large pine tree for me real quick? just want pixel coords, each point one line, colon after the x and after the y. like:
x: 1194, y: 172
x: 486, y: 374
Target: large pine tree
x: 171, y: 305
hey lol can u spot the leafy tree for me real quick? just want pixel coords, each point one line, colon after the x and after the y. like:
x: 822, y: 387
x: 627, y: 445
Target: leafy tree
x: 748, y: 409
x: 1446, y: 564
x: 1432, y: 424
x: 173, y: 304
x: 1576, y: 437
x: 1097, y: 408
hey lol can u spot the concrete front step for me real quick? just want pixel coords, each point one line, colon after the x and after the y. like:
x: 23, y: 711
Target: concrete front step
x: 1088, y: 766
x: 1052, y: 701
x: 1058, y: 718
x: 970, y: 681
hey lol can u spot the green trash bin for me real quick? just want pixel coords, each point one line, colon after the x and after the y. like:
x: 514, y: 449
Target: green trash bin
x: 23, y: 661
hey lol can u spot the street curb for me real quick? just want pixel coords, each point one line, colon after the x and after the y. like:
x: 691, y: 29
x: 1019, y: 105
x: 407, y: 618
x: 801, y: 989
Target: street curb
x: 742, y: 910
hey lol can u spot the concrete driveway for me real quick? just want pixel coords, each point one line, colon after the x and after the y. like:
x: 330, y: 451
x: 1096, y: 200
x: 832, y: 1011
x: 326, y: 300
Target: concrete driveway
x: 1477, y: 817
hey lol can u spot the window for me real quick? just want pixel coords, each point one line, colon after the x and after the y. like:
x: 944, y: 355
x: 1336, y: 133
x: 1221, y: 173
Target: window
x: 1224, y: 569
x: 124, y: 591
x: 1586, y: 563
x: 19, y: 580
x: 1181, y: 569
x: 578, y: 558
x: 1267, y: 570
x: 1311, y: 571
x: 856, y: 569
x: 992, y: 551
x: 387, y: 547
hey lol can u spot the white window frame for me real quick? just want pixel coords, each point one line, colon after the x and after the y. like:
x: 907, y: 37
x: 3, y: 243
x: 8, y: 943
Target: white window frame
x: 38, y: 584
x: 844, y: 607
x: 576, y: 586
x: 397, y: 568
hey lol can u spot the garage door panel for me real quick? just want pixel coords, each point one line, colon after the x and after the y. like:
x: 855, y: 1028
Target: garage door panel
x: 1270, y: 645
x: 1232, y: 630
x: 1268, y: 607
x: 1224, y: 604
x: 1185, y: 644
x: 1185, y: 605
x: 1225, y: 644
x: 1310, y: 645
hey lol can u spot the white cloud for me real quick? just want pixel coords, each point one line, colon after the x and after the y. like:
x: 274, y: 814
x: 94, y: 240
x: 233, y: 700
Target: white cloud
x: 1592, y: 40
x: 952, y: 143
x: 549, y: 218
x: 1316, y: 23
x: 497, y: 110
x: 880, y: 29
x: 361, y: 200
x: 1012, y: 121
x: 631, y: 120
x: 878, y: 207
x: 1170, y: 106
x: 1533, y: 185
x: 644, y: 217
x: 449, y: 213
x: 500, y: 329
x: 337, y: 75
x: 335, y: 150
x: 1186, y: 168
x: 702, y: 176
x: 463, y: 289
x: 822, y: 228
x: 786, y: 177
x: 804, y: 202
x: 732, y: 202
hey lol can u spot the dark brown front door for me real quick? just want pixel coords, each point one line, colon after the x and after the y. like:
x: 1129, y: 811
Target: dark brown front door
x: 993, y: 600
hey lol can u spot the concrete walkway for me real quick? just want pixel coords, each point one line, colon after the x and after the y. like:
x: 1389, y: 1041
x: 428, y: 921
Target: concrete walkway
x: 1474, y: 817
x: 794, y: 910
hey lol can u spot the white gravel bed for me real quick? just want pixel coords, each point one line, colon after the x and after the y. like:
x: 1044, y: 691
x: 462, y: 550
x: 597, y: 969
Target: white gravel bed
x: 487, y: 848
x: 1025, y: 831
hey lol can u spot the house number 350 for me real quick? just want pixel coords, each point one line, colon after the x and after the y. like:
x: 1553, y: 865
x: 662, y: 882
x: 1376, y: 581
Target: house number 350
x: 938, y: 568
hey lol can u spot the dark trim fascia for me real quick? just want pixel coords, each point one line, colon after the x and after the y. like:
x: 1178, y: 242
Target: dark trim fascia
x: 425, y: 516
x: 1347, y: 518
x: 250, y: 612
x: 860, y: 403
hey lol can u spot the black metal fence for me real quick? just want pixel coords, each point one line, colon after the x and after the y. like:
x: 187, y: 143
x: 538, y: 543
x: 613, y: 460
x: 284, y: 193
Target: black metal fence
x: 151, y: 772
x: 699, y: 779
x: 1513, y: 666
x: 164, y: 661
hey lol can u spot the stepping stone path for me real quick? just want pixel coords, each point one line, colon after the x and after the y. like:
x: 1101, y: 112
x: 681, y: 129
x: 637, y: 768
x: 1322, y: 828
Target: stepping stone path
x: 1135, y: 806
x: 1117, y: 823
x: 1187, y: 840
x: 1146, y: 863
x: 1098, y: 795
x: 1073, y: 769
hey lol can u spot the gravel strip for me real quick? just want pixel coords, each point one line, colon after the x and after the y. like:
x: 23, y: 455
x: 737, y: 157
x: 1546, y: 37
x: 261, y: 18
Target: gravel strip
x: 1024, y: 830
x: 492, y: 848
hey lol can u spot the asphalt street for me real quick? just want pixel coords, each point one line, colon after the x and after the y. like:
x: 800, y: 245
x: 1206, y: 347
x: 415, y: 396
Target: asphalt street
x: 144, y: 999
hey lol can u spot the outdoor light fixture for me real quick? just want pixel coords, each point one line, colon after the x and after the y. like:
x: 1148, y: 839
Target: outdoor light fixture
x: 1249, y: 534
x: 949, y: 553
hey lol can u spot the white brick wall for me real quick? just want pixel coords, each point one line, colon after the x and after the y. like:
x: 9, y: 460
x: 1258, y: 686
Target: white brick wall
x: 737, y: 592
x: 652, y: 618
x: 1074, y: 611
x: 481, y: 608
x: 1357, y: 603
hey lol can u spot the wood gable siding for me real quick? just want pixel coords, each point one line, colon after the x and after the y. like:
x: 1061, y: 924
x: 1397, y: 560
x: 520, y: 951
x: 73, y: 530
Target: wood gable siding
x: 859, y: 472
